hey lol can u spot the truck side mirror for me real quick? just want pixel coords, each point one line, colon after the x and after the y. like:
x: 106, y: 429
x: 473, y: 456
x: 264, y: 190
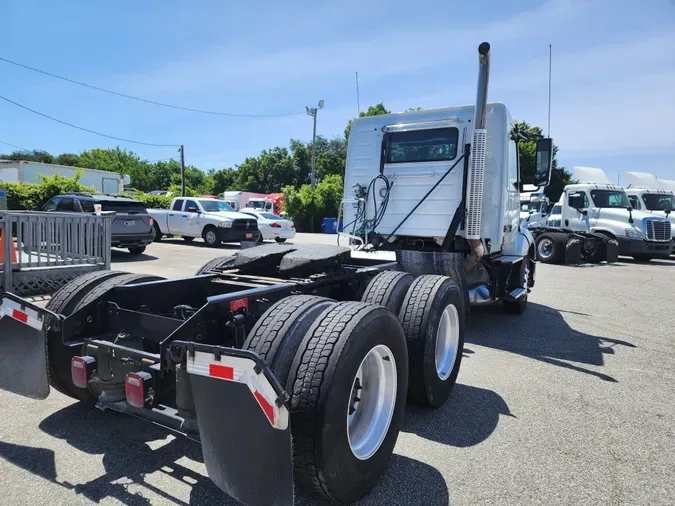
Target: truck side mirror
x: 544, y: 162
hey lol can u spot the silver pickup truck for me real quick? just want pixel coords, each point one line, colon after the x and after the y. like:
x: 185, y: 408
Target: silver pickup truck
x: 212, y: 220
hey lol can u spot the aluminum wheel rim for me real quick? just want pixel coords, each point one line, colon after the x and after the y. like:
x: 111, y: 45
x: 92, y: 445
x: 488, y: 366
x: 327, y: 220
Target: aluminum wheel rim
x: 545, y: 248
x: 372, y: 402
x: 210, y: 237
x: 447, y: 342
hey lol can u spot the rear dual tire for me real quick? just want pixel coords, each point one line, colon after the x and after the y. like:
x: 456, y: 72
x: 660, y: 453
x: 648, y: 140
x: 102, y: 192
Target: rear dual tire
x: 344, y: 365
x: 71, y: 298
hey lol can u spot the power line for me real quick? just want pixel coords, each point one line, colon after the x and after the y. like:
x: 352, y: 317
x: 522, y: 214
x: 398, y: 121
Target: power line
x: 87, y: 129
x: 162, y: 104
x: 14, y: 146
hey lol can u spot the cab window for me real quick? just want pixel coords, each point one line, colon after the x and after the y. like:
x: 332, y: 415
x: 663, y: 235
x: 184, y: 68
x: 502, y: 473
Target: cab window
x: 513, y: 166
x: 432, y: 145
x: 634, y: 201
x: 576, y: 195
x: 177, y: 205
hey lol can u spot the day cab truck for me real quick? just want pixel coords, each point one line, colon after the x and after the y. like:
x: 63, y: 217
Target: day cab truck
x: 211, y: 219
x: 292, y: 365
x: 648, y: 194
x: 598, y: 223
x: 533, y: 209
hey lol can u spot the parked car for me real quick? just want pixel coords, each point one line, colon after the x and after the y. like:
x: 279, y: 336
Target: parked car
x: 212, y: 220
x: 166, y: 193
x: 132, y: 227
x: 272, y: 226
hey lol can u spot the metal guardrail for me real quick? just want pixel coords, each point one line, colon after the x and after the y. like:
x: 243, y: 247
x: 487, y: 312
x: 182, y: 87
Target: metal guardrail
x: 51, y: 249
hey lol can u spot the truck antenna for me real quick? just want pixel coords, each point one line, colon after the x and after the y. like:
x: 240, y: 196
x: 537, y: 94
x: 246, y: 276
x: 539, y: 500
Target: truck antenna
x: 550, y: 53
x: 358, y: 102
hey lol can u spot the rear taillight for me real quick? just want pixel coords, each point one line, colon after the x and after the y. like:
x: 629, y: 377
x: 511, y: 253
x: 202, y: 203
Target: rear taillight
x: 135, y: 386
x: 152, y: 221
x: 80, y: 369
x: 292, y: 225
x: 275, y: 225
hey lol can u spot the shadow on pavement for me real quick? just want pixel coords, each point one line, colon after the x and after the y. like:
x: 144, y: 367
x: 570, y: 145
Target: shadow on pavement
x: 405, y: 482
x: 127, y: 457
x: 469, y: 417
x: 133, y: 449
x: 541, y: 334
x: 119, y: 256
x: 666, y: 262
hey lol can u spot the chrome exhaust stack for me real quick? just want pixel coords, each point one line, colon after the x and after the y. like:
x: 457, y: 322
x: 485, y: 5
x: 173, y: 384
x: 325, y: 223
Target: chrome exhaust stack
x: 474, y: 197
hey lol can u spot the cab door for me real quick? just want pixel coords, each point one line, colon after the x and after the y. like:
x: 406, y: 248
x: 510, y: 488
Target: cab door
x: 575, y: 211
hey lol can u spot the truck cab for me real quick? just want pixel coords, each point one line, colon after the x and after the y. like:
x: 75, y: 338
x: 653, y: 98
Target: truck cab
x: 650, y: 195
x: 533, y: 209
x: 605, y: 209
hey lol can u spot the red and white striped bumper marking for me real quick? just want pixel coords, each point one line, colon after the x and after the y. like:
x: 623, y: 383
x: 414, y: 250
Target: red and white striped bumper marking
x: 241, y: 370
x: 25, y: 315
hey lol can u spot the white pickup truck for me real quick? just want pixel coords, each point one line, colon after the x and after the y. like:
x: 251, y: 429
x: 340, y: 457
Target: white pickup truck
x: 212, y: 220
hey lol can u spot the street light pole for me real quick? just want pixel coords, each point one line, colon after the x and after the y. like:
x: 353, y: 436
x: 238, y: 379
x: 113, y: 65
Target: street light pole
x: 182, y: 170
x: 312, y: 111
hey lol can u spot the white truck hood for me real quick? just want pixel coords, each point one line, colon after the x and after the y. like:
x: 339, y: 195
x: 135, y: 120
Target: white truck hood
x: 230, y: 215
x: 620, y: 217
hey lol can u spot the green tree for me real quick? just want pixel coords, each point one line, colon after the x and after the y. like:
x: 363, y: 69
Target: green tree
x: 223, y: 180
x: 35, y: 155
x: 373, y: 110
x: 560, y: 177
x: 70, y: 159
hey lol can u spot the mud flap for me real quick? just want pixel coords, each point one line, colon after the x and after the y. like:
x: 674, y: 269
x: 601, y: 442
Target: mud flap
x: 611, y: 251
x: 23, y: 347
x: 243, y: 425
x: 573, y: 252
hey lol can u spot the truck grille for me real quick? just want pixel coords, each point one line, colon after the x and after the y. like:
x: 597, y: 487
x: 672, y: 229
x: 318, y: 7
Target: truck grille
x: 657, y: 230
x: 245, y: 224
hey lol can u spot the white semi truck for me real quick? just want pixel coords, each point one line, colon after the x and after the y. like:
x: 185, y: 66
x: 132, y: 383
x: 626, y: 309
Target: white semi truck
x: 19, y: 171
x: 651, y: 195
x: 533, y: 209
x: 597, y: 219
x: 292, y: 364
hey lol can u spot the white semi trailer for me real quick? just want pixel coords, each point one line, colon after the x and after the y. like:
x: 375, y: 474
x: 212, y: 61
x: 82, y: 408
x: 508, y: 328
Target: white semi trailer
x: 20, y: 171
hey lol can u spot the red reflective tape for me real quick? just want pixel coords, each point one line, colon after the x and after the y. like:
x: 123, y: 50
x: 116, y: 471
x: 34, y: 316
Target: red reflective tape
x: 19, y: 315
x: 266, y: 406
x: 221, y: 371
x: 238, y: 304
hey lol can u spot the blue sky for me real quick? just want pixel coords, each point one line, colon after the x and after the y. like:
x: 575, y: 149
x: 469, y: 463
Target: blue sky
x: 613, y: 71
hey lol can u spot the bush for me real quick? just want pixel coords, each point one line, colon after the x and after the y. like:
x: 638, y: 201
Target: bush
x: 32, y: 196
x: 153, y: 201
x: 307, y: 207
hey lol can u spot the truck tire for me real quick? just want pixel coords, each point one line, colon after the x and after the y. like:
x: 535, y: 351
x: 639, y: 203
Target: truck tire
x: 158, y: 232
x: 210, y: 236
x: 106, y: 286
x: 347, y: 386
x: 137, y: 250
x: 433, y: 319
x: 515, y: 306
x: 388, y: 289
x: 59, y: 356
x: 280, y: 330
x: 550, y: 248
x: 216, y: 264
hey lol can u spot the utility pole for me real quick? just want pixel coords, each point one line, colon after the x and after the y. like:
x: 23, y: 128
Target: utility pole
x: 182, y: 170
x: 312, y: 111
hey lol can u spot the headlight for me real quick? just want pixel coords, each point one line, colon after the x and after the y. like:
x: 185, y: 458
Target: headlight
x: 225, y: 224
x: 633, y: 233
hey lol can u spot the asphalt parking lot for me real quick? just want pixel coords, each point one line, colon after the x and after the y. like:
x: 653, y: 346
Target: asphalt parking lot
x: 571, y: 403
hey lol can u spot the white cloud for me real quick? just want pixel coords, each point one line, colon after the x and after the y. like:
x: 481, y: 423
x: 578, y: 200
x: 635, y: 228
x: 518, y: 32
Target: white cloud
x: 227, y: 68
